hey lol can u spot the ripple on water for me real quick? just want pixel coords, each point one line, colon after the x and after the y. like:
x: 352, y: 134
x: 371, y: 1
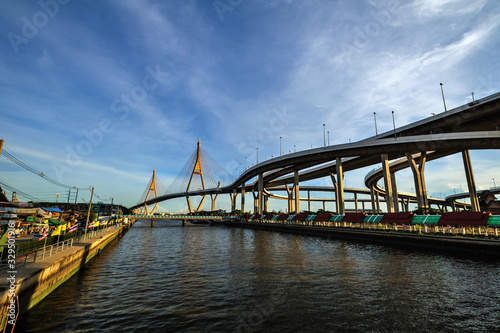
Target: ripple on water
x: 213, y: 279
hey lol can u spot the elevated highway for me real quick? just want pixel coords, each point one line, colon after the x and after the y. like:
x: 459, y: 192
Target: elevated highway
x: 471, y: 126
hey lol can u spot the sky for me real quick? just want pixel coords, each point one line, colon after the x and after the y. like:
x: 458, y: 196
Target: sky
x: 100, y: 93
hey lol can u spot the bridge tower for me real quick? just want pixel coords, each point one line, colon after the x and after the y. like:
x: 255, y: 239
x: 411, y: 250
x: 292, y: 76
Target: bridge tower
x: 197, y: 171
x: 150, y: 193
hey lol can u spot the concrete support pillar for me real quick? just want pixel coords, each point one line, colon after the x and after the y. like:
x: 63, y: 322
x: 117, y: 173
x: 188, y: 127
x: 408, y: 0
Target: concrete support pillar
x: 260, y: 195
x: 387, y: 183
x: 296, y: 191
x: 152, y: 223
x: 356, y: 202
x: 372, y: 196
x: 266, y: 203
x: 395, y: 198
x: 213, y: 198
x: 377, y: 200
x: 309, y: 200
x: 243, y: 198
x: 234, y: 196
x: 474, y: 200
x: 419, y: 179
x: 290, y: 199
x: 255, y: 202
x: 363, y: 206
x: 190, y: 206
x: 324, y: 206
x: 339, y: 195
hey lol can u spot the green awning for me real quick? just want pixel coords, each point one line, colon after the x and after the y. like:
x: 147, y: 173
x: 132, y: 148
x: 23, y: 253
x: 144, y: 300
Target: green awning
x: 55, y: 222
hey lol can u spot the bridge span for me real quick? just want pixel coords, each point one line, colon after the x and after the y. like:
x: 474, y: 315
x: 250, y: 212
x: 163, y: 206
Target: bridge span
x: 468, y: 127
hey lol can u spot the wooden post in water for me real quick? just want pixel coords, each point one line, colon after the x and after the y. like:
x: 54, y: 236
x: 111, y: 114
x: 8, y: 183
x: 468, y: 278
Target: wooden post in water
x: 152, y: 223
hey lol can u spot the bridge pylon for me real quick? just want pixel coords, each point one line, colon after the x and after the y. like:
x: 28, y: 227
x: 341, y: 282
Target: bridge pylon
x: 151, y: 192
x: 197, y: 171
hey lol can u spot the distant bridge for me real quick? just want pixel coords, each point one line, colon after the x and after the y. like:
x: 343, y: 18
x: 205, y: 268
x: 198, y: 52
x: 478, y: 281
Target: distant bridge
x: 471, y: 126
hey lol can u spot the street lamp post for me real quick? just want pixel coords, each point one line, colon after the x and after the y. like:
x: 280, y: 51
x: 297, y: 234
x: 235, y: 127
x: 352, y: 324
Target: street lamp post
x: 494, y: 185
x: 328, y: 132
x: 280, y: 145
x: 257, y: 154
x: 442, y: 94
x: 245, y: 162
x: 294, y: 148
x: 324, y: 136
x: 394, y: 125
x: 375, y: 119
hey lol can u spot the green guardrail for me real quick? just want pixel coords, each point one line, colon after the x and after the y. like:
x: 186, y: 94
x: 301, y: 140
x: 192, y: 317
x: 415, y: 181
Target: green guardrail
x: 426, y: 219
x: 373, y: 218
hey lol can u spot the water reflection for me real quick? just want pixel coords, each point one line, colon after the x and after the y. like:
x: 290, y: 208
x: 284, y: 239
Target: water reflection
x: 213, y: 279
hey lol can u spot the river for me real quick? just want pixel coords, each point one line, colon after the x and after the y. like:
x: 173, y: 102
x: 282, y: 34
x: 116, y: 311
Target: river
x: 201, y: 278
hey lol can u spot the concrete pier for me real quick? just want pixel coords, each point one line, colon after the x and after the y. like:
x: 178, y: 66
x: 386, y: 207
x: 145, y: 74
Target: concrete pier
x: 35, y: 281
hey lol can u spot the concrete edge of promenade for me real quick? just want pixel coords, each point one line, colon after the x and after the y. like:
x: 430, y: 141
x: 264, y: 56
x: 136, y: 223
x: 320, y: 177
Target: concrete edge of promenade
x: 457, y: 244
x: 37, y: 280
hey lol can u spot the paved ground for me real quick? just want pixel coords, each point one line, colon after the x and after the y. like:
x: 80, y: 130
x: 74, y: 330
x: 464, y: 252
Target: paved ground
x: 30, y: 268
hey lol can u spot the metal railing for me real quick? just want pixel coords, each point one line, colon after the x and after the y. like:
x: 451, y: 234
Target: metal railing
x: 47, y: 251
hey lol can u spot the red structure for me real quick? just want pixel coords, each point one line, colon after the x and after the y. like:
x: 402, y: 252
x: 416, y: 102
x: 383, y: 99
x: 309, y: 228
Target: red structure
x: 322, y: 217
x: 464, y: 218
x: 400, y: 218
x: 353, y: 217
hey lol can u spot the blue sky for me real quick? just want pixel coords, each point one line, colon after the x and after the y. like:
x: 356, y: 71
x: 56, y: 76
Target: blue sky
x: 101, y: 93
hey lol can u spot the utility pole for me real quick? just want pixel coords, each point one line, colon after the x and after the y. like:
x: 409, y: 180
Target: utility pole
x: 88, y: 213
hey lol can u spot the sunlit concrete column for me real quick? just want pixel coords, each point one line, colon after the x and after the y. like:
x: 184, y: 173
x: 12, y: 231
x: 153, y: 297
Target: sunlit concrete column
x: 290, y: 199
x: 339, y: 198
x: 255, y: 202
x: 387, y: 183
x: 296, y: 191
x: 474, y: 200
x: 363, y: 206
x: 266, y: 203
x: 261, y: 193
x: 356, y: 202
x: 395, y: 198
x: 377, y: 201
x: 190, y: 206
x: 213, y: 198
x: 242, y: 198
x: 324, y: 205
x: 234, y: 196
x: 419, y: 179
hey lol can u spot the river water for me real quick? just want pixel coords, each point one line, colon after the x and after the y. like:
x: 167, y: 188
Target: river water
x: 201, y: 278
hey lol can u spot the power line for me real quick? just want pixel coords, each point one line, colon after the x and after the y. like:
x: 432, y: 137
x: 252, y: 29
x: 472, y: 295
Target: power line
x: 17, y: 160
x: 26, y: 166
x: 13, y: 189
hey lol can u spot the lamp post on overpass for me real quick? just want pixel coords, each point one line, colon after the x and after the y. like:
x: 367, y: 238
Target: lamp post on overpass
x: 494, y: 185
x: 394, y: 125
x: 324, y: 136
x: 245, y: 163
x: 280, y: 145
x: 328, y: 134
x: 257, y: 149
x: 442, y: 94
x: 375, y: 119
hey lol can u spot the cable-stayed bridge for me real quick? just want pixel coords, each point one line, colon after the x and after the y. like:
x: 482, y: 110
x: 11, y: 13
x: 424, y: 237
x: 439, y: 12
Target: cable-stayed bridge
x: 470, y: 126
